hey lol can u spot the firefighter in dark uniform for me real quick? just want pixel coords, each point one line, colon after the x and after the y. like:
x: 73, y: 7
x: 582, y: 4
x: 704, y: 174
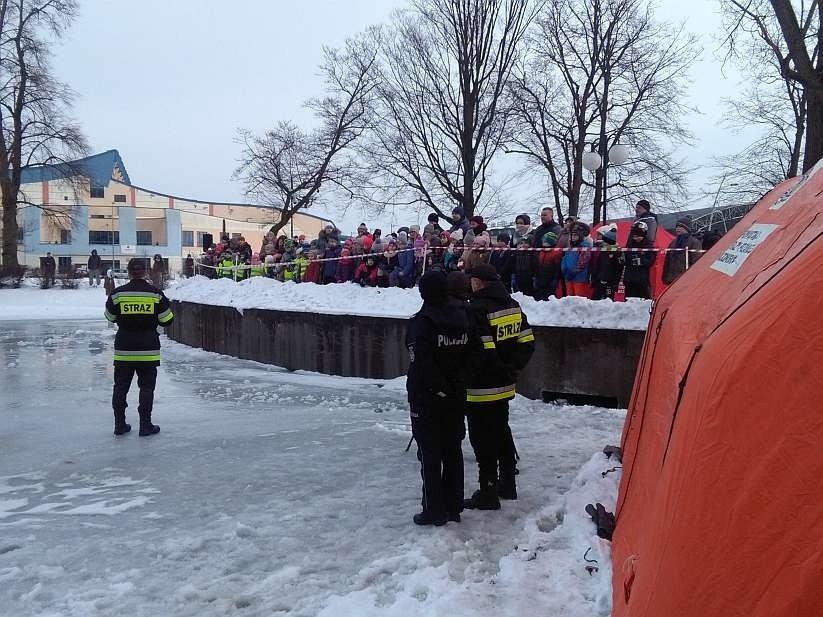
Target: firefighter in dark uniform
x: 505, y: 344
x: 137, y: 308
x: 438, y: 341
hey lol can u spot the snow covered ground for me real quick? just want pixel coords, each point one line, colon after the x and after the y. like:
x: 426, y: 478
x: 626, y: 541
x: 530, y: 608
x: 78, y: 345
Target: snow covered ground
x: 56, y: 303
x: 269, y: 493
x: 351, y: 299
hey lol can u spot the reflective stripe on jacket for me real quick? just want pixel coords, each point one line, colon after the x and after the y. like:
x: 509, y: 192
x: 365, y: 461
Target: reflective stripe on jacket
x: 138, y: 308
x: 504, y: 345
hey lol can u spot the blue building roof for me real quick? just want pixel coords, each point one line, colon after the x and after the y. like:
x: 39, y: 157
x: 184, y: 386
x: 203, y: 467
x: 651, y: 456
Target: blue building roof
x: 99, y: 168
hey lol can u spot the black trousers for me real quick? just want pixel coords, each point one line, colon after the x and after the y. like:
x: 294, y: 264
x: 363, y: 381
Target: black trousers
x: 439, y: 431
x: 602, y: 290
x: 639, y: 290
x: 146, y: 380
x: 491, y: 439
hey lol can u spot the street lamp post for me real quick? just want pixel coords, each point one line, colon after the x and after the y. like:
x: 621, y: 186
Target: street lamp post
x: 618, y: 154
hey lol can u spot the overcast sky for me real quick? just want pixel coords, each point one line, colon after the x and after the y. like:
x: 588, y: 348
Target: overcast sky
x: 167, y: 83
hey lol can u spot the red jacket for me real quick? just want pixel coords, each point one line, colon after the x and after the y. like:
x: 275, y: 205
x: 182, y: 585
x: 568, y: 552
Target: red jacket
x: 366, y: 275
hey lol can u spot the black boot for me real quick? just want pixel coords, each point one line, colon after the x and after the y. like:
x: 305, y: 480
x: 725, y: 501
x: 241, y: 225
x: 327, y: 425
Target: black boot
x: 485, y: 498
x: 146, y: 427
x: 507, y: 488
x: 453, y: 517
x: 425, y: 518
x: 120, y: 426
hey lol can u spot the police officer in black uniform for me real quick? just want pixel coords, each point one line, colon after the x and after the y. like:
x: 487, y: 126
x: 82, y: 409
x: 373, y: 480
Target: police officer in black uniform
x: 137, y: 308
x: 438, y: 341
x: 506, y: 343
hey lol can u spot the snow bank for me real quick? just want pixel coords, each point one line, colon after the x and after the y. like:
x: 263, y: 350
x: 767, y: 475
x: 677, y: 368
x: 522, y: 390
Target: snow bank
x: 351, y: 299
x: 31, y: 302
x: 560, y: 568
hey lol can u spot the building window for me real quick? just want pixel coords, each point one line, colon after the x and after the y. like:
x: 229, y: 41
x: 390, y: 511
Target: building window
x: 119, y: 199
x: 65, y: 236
x: 104, y: 237
x: 97, y: 216
x: 98, y: 192
x: 20, y: 233
x: 235, y: 236
x: 188, y: 238
x: 144, y: 238
x: 64, y: 265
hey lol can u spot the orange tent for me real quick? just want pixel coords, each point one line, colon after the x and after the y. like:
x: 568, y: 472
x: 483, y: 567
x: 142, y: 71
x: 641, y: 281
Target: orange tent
x: 719, y: 511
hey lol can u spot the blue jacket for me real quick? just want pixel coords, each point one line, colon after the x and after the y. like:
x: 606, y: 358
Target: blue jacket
x: 330, y: 267
x: 575, y: 264
x: 405, y: 263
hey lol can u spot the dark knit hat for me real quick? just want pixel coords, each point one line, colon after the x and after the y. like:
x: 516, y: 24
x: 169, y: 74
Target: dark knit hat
x: 476, y: 219
x: 485, y: 272
x: 685, y: 222
x: 644, y: 204
x: 433, y: 287
x: 433, y: 218
x: 459, y: 284
x: 136, y: 266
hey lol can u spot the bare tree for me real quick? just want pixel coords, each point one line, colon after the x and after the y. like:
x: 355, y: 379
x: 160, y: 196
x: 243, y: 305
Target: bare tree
x: 287, y: 166
x: 789, y: 32
x: 602, y: 72
x: 778, y: 110
x: 34, y: 125
x: 440, y: 103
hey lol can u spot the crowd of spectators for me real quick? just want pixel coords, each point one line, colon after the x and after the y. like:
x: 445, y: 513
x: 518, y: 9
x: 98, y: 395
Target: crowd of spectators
x: 400, y: 258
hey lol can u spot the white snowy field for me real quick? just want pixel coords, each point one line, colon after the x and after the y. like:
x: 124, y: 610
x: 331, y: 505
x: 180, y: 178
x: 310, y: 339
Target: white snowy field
x: 271, y: 493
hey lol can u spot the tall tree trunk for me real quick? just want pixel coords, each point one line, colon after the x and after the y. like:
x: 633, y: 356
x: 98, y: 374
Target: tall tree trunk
x: 814, y: 128
x: 794, y: 161
x: 467, y: 147
x: 9, y: 225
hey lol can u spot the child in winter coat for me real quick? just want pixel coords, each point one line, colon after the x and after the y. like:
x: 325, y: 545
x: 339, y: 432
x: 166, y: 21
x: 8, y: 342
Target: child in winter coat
x: 547, y: 267
x: 478, y: 255
x: 523, y: 264
x: 606, y: 266
x: 419, y: 256
x: 637, y: 277
x: 366, y: 274
x: 345, y: 267
x: 313, y: 270
x: 301, y: 264
x: 388, y: 266
x: 405, y: 262
x: 330, y: 267
x: 575, y: 264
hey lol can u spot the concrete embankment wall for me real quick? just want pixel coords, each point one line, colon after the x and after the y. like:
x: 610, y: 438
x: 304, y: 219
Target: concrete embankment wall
x: 567, y: 361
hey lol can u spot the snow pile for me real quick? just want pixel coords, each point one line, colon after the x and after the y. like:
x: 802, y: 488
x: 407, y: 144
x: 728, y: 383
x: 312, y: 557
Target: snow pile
x: 351, y: 299
x: 561, y: 568
x: 577, y: 312
x: 56, y: 303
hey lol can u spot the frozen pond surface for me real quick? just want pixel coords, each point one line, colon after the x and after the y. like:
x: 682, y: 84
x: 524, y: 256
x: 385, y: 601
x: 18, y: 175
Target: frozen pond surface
x: 265, y: 493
